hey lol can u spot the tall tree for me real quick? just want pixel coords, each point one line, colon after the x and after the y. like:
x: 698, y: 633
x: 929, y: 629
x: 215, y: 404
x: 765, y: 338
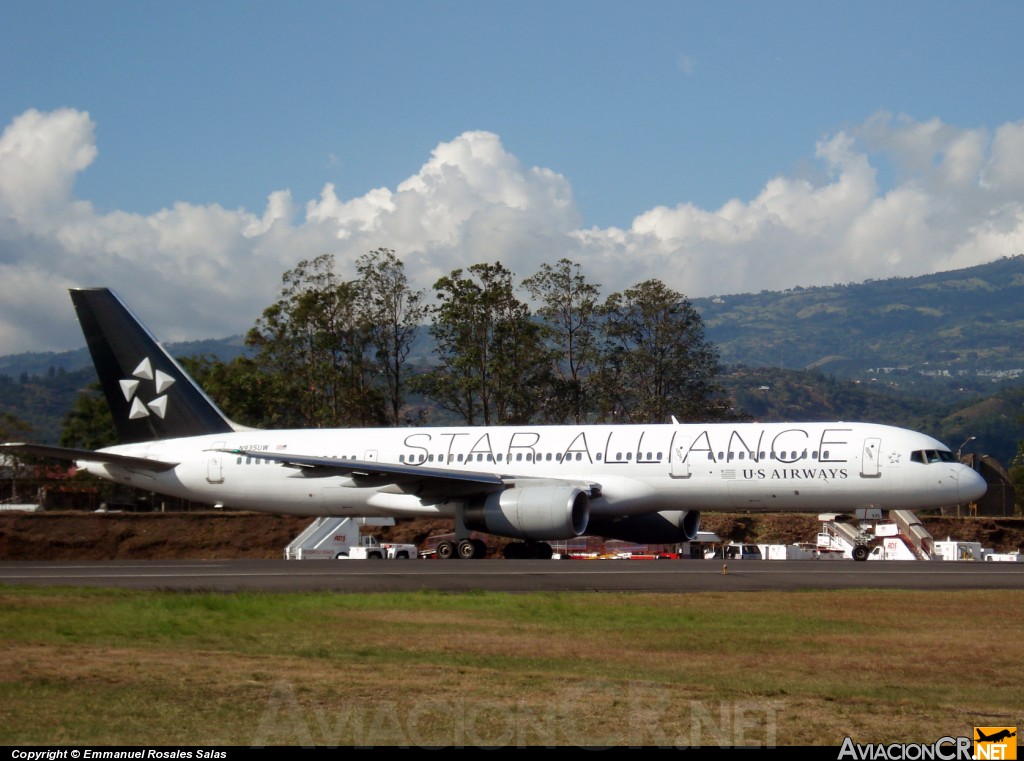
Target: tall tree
x: 520, y: 372
x: 455, y: 382
x: 657, y: 362
x: 245, y: 391
x: 13, y: 428
x: 491, y: 358
x: 1016, y: 470
x: 89, y: 424
x: 568, y: 306
x: 393, y: 313
x: 314, y: 340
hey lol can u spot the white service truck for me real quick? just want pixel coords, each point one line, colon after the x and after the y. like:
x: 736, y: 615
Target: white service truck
x: 892, y: 548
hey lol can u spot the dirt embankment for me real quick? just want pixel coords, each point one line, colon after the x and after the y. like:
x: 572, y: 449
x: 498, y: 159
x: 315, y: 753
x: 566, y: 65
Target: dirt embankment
x: 227, y: 535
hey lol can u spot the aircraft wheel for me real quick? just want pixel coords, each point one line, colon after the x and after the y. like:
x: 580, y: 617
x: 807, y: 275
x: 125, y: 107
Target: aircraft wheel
x: 480, y: 548
x: 860, y: 552
x: 341, y: 555
x: 514, y: 551
x: 542, y: 551
x: 467, y: 550
x: 445, y: 549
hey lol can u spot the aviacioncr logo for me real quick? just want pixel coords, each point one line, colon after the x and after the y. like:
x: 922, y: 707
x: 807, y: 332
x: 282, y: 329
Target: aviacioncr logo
x: 134, y: 388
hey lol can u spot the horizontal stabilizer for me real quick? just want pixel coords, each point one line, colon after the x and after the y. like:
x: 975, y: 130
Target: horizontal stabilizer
x: 88, y: 455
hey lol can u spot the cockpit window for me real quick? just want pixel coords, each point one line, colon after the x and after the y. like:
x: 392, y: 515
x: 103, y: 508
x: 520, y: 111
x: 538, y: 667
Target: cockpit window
x: 932, y: 455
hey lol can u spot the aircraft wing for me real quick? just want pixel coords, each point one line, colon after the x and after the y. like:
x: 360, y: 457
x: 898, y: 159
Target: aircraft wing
x: 436, y: 483
x: 89, y: 455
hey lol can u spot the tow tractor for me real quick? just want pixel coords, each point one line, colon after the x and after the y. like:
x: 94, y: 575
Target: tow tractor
x: 370, y: 549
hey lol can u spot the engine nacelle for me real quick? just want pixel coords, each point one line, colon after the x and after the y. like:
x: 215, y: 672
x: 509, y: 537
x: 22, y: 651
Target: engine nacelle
x: 666, y: 527
x: 531, y: 512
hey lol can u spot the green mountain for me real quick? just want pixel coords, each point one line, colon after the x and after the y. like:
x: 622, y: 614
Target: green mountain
x: 963, y: 324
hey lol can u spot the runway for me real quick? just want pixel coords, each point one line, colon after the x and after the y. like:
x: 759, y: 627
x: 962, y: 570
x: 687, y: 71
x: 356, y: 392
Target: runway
x: 513, y: 575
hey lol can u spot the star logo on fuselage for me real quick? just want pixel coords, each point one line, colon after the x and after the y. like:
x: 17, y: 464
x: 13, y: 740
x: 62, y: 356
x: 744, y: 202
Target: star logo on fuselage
x: 130, y: 388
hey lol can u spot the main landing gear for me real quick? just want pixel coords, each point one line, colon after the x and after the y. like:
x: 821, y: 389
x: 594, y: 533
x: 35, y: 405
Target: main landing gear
x: 467, y: 549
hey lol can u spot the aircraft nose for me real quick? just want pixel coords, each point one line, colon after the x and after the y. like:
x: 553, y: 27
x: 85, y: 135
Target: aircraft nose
x: 970, y: 486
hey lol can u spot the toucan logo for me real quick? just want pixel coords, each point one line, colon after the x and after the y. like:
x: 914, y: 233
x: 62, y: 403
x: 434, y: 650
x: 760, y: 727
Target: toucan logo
x: 132, y: 388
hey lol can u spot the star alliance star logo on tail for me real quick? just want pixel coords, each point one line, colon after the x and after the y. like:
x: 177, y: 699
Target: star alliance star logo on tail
x: 130, y: 388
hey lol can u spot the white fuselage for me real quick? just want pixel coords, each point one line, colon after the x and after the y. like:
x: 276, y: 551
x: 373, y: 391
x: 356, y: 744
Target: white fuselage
x: 806, y: 467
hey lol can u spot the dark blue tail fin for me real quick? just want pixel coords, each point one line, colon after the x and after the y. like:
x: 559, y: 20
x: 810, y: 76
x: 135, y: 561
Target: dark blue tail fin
x: 150, y: 396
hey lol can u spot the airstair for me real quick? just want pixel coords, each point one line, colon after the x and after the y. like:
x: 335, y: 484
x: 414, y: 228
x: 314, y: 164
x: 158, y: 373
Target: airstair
x: 917, y: 536
x: 900, y: 526
x: 322, y: 537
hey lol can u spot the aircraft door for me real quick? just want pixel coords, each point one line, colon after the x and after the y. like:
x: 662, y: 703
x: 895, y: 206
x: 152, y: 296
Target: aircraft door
x: 869, y: 458
x: 680, y: 463
x: 215, y: 465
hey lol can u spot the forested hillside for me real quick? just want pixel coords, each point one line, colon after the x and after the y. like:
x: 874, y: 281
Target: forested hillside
x: 966, y: 323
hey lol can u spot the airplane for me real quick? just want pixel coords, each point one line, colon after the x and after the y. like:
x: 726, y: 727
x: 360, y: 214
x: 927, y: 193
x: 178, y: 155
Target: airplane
x: 534, y: 484
x: 995, y: 737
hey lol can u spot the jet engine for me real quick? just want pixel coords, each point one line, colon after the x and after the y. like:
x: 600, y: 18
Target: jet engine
x: 666, y: 527
x: 531, y: 512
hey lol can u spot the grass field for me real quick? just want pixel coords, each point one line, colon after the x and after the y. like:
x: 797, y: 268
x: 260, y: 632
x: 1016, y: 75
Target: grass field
x: 109, y: 667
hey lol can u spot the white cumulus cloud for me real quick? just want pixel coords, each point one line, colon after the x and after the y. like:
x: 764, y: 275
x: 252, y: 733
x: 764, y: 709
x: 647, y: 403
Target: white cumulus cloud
x: 952, y: 199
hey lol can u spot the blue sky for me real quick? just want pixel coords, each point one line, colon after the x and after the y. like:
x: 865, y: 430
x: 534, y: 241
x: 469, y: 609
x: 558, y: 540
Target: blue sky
x: 721, y: 146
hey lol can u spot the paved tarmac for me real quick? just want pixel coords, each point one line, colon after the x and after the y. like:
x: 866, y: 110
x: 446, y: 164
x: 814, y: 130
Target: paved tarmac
x: 514, y: 575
